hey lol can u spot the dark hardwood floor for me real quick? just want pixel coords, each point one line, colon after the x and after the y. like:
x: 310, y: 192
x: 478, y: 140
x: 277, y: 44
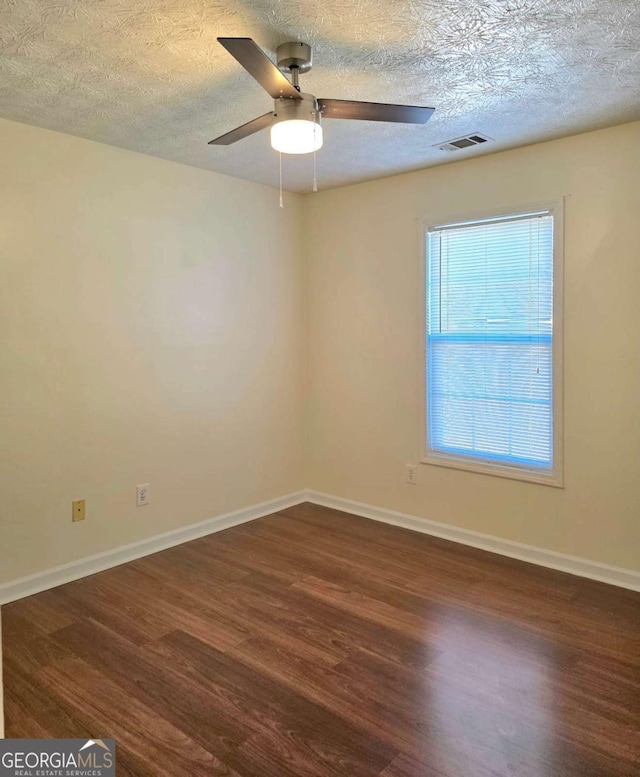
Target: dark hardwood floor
x: 312, y: 643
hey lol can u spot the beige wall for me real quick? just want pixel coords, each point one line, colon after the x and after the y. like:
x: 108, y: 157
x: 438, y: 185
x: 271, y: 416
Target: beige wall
x: 160, y: 324
x: 364, y: 406
x: 149, y: 332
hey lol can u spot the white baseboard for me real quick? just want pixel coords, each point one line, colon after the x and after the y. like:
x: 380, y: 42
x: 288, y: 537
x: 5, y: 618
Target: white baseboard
x: 50, y: 578
x: 625, y: 578
x: 26, y: 586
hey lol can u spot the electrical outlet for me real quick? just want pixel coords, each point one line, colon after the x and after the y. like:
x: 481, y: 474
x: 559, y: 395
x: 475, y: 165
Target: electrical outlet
x: 143, y: 495
x: 411, y: 474
x: 78, y: 510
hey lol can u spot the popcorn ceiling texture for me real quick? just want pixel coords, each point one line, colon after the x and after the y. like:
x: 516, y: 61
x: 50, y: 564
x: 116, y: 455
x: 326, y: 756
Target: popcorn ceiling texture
x: 148, y: 75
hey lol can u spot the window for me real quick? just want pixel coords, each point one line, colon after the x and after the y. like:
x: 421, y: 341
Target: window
x: 493, y: 345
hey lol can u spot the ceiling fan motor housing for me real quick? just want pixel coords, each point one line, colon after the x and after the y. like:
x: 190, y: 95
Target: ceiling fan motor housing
x: 294, y: 55
x: 305, y: 109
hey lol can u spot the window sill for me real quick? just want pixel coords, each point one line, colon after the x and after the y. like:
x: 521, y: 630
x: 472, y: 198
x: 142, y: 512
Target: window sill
x: 497, y: 470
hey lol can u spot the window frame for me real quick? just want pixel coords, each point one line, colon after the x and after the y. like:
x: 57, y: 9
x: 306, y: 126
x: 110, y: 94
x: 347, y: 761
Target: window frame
x: 555, y: 477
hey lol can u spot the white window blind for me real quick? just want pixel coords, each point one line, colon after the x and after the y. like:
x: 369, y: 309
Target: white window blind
x: 490, y: 341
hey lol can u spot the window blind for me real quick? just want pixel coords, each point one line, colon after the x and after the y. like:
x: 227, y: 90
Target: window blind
x: 490, y: 340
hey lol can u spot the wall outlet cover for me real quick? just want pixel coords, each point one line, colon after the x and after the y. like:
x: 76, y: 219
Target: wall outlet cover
x: 143, y: 495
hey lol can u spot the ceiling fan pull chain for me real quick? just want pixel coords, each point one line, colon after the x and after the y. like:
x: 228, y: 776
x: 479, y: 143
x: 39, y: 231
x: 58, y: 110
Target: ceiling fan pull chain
x: 281, y: 200
x: 315, y: 177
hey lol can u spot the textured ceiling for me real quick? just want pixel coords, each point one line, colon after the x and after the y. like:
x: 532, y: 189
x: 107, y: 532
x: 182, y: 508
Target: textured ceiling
x: 148, y: 75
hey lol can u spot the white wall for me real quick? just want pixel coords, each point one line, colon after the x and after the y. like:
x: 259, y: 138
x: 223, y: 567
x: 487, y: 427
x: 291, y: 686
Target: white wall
x: 364, y: 406
x: 149, y: 332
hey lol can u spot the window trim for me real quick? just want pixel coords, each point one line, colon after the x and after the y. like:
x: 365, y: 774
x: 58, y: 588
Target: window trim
x: 556, y: 476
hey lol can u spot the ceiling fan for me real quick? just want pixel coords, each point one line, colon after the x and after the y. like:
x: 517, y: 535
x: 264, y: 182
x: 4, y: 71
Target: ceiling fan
x: 295, y: 119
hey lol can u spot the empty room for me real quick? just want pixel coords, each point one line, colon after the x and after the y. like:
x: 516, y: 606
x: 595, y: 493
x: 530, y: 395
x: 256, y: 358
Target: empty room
x: 320, y: 415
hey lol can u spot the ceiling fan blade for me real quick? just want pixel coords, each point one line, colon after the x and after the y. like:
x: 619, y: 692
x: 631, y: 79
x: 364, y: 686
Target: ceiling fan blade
x: 262, y: 122
x: 257, y: 63
x: 352, y: 109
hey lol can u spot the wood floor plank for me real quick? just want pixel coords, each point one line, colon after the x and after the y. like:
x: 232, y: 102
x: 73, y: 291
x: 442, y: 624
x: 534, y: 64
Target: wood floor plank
x: 38, y: 647
x: 312, y: 727
x: 43, y: 610
x: 402, y: 721
x: 170, y: 694
x: 172, y: 604
x: 164, y: 749
x: 31, y: 711
x: 312, y: 643
x: 331, y: 560
x: 90, y: 598
x: 516, y: 602
x: 406, y: 766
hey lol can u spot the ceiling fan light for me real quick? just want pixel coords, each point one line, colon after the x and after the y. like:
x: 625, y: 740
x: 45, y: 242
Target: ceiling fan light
x: 296, y: 136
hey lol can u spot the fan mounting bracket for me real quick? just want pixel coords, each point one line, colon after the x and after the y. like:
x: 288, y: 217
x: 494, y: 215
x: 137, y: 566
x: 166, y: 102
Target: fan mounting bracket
x: 294, y: 56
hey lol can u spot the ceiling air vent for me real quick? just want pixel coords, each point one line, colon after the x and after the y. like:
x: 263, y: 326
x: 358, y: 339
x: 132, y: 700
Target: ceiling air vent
x: 465, y: 142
